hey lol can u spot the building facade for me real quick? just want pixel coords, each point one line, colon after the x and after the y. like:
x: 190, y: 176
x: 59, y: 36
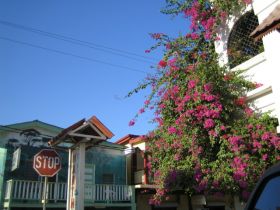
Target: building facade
x: 105, y: 181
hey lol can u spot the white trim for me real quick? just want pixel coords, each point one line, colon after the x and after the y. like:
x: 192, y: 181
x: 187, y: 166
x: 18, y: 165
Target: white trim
x: 87, y: 136
x: 259, y: 92
x: 75, y: 132
x: 256, y: 60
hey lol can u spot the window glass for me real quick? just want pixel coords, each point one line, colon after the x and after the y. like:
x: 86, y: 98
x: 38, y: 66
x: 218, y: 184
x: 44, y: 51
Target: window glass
x: 270, y: 196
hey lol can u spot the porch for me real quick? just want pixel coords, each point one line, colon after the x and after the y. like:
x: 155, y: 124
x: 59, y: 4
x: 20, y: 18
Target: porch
x: 24, y: 193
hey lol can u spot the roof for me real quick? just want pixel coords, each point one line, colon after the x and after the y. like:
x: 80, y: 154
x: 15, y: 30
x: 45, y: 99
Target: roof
x: 29, y: 124
x: 79, y: 131
x: 130, y: 139
x: 269, y: 24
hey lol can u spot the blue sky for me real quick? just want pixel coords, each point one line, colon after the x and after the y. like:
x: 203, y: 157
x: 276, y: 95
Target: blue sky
x: 38, y: 81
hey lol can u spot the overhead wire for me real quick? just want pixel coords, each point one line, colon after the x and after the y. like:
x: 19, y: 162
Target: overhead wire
x: 71, y: 54
x: 72, y: 40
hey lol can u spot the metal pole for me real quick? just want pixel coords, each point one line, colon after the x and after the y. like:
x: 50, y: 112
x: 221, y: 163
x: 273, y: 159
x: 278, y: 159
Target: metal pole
x: 45, y: 193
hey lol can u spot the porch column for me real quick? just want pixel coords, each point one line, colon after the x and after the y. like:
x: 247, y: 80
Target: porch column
x: 80, y: 179
x: 70, y: 165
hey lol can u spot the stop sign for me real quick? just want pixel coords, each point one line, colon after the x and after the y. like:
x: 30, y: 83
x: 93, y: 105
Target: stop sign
x: 47, y: 162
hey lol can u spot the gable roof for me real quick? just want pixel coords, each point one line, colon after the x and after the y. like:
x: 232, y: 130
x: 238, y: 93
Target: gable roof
x: 78, y: 132
x: 269, y: 24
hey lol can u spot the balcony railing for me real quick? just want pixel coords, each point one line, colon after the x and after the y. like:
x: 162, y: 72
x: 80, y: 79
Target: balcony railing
x: 33, y: 190
x: 22, y: 191
x: 108, y: 193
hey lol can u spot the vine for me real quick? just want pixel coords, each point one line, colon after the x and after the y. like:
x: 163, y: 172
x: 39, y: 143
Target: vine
x: 208, y: 139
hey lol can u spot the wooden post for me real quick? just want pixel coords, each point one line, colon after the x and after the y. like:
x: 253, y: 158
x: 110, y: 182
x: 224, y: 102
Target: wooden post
x: 80, y: 178
x: 70, y: 164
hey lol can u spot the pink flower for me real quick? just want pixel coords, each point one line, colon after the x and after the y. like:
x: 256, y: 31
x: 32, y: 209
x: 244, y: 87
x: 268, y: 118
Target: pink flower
x: 168, y: 46
x: 147, y: 102
x: 172, y: 62
x: 131, y: 122
x: 208, y: 87
x: 264, y: 157
x: 191, y: 84
x: 266, y: 136
x: 171, y: 130
x: 257, y: 85
x: 177, y: 157
x: 162, y: 64
x: 142, y: 110
x: 247, y: 1
x: 209, y: 123
x: 147, y: 51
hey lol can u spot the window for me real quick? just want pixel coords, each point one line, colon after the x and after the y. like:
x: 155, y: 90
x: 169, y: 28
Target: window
x: 270, y: 196
x: 241, y: 47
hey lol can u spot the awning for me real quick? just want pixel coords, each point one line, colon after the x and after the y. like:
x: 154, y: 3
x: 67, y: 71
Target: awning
x: 92, y: 131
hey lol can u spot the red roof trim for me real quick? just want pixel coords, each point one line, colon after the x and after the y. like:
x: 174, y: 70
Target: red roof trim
x: 95, y: 121
x: 126, y: 139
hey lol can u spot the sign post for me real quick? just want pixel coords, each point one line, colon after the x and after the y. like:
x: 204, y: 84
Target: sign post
x: 46, y: 163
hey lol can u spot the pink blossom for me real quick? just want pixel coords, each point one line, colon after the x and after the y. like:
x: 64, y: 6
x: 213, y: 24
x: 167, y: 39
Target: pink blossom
x: 142, y: 110
x: 264, y: 157
x: 257, y: 144
x: 131, y: 122
x: 247, y: 1
x: 208, y: 87
x: 266, y: 136
x: 147, y: 51
x: 162, y: 64
x: 194, y: 36
x: 257, y: 85
x: 172, y: 130
x: 191, y: 84
x: 172, y: 62
x: 177, y: 157
x: 209, y: 123
x: 168, y: 46
x: 147, y: 102
x: 249, y: 111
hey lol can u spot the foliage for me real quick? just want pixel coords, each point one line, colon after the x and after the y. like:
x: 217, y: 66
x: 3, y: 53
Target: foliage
x: 207, y: 140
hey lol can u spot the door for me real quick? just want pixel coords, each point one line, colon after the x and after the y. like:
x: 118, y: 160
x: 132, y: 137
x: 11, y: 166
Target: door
x: 89, y: 182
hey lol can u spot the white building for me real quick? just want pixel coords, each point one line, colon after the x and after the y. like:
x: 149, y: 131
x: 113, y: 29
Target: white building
x: 260, y: 59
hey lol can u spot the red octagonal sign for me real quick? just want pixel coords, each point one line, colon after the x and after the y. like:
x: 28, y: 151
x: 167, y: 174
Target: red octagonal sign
x: 47, y: 162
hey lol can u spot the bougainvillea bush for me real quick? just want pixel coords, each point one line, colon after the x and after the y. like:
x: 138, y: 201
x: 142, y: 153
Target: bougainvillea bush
x: 208, y: 139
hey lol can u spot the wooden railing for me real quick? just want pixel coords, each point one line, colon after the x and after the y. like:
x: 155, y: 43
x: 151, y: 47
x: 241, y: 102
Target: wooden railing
x: 108, y: 193
x: 19, y: 190
x: 33, y: 190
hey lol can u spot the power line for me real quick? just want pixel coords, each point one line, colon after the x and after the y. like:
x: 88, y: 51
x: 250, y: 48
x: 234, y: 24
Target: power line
x: 71, y: 54
x: 79, y: 42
